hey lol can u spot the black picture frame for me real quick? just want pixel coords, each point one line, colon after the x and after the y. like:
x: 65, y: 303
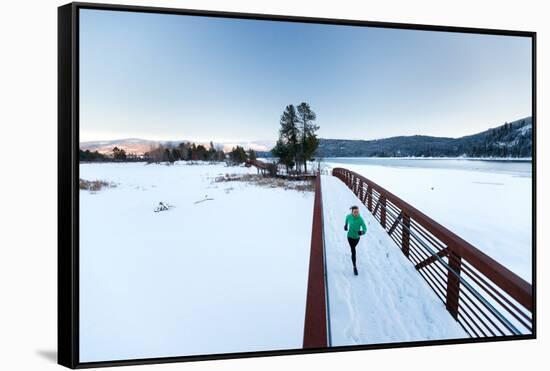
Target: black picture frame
x: 68, y: 175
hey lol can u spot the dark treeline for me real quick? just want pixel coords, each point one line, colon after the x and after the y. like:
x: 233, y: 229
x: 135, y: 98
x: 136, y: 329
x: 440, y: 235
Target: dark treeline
x: 192, y: 152
x: 512, y: 139
x: 185, y: 152
x: 91, y: 156
x: 118, y: 154
x: 170, y: 153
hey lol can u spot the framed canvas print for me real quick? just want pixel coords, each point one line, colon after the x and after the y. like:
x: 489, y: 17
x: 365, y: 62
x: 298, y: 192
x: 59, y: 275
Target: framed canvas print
x: 236, y: 185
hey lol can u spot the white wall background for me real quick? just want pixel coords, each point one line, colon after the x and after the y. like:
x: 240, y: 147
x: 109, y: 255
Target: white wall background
x: 28, y: 83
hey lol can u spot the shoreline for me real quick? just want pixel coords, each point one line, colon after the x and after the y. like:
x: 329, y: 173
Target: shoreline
x: 496, y: 159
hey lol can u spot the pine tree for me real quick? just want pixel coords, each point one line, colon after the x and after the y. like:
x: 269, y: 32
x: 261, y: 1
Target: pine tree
x: 119, y: 154
x: 251, y: 154
x: 297, y: 143
x: 289, y: 132
x: 285, y: 155
x: 309, y: 142
x: 237, y: 155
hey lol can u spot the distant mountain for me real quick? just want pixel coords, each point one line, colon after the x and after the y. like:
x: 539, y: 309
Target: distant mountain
x: 512, y: 139
x: 130, y: 145
x: 140, y: 146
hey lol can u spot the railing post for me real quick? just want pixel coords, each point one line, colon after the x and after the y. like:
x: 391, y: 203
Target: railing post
x: 369, y: 197
x: 383, y: 211
x: 453, y: 284
x: 405, y: 235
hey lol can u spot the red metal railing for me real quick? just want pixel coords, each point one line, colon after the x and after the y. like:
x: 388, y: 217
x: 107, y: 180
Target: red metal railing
x: 485, y: 297
x: 315, y: 325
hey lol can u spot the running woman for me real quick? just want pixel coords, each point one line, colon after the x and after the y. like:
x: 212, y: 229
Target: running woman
x: 356, y: 227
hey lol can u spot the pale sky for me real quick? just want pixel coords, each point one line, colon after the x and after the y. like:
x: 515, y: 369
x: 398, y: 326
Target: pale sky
x: 173, y: 77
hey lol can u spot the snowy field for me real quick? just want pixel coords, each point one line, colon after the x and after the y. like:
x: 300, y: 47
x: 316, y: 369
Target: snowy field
x: 488, y: 203
x: 388, y: 301
x: 223, y: 275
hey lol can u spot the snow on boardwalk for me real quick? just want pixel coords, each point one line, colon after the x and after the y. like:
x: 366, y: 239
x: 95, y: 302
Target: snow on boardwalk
x: 389, y: 301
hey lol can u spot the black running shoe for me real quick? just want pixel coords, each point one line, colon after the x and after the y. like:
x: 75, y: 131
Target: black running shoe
x: 355, y: 271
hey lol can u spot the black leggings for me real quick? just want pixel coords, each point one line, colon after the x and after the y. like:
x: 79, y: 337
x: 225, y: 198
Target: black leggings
x: 352, y: 243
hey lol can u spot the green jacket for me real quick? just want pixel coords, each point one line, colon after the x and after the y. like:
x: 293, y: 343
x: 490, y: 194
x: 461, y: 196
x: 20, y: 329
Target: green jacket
x: 354, y: 224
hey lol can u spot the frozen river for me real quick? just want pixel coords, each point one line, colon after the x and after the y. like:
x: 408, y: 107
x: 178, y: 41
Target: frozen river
x: 516, y: 167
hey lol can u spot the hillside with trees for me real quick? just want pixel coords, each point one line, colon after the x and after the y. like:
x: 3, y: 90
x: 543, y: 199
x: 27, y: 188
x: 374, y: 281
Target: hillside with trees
x: 512, y: 140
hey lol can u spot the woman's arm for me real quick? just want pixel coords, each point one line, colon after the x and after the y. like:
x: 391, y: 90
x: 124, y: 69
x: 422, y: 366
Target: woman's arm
x: 363, y: 225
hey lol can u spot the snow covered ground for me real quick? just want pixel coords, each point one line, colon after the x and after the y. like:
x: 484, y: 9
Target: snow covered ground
x: 230, y: 274
x: 224, y: 275
x: 488, y: 203
x: 388, y: 301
